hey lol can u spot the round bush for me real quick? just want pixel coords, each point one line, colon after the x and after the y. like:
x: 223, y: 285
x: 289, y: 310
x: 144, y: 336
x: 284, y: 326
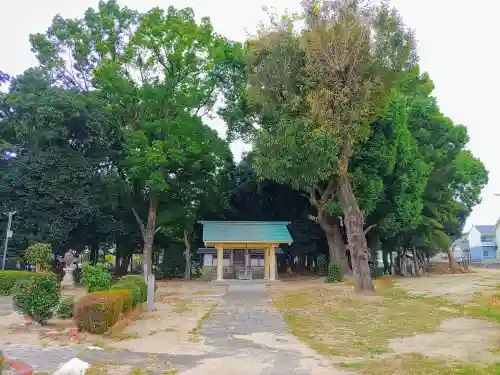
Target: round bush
x: 39, y: 255
x: 140, y: 282
x: 37, y: 297
x: 65, y: 308
x: 95, y: 277
x: 125, y: 294
x: 97, y: 312
x: 135, y: 291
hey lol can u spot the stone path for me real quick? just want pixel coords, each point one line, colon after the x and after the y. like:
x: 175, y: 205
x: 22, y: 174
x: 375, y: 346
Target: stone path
x: 250, y: 338
x: 5, y: 304
x: 246, y: 336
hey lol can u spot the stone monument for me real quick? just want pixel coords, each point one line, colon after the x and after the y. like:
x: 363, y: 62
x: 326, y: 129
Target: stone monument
x: 69, y: 259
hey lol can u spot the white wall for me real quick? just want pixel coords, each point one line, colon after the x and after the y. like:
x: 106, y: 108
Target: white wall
x: 210, y: 261
x: 497, y: 239
x: 474, y: 238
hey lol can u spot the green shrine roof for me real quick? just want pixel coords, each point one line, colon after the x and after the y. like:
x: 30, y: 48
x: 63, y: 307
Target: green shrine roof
x: 246, y: 231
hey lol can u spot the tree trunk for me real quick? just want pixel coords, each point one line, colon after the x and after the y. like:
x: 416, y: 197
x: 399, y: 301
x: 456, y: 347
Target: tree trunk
x: 452, y: 261
x: 391, y: 259
x: 354, y: 222
x: 122, y: 264
x: 336, y: 246
x: 416, y: 266
x: 385, y: 260
x: 187, y: 255
x: 149, y: 233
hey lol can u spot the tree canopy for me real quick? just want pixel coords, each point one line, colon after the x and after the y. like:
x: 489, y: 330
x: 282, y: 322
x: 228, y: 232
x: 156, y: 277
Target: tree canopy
x: 105, y: 144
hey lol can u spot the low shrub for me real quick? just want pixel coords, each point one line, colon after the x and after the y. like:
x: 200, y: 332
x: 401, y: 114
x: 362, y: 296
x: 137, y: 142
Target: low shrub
x: 9, y: 278
x: 37, y: 297
x: 65, y: 308
x: 140, y: 282
x: 321, y: 264
x: 132, y: 288
x: 125, y: 294
x: 97, y: 312
x: 96, y: 277
x: 334, y: 273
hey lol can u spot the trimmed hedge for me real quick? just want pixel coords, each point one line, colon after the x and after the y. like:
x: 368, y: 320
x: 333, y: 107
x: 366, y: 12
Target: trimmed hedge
x: 125, y: 294
x: 97, y: 312
x: 132, y: 288
x: 37, y: 297
x: 140, y: 282
x: 9, y: 278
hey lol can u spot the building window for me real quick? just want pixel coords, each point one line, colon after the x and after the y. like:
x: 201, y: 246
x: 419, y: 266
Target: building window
x: 257, y: 260
x: 486, y: 239
x: 485, y: 253
x: 226, y: 260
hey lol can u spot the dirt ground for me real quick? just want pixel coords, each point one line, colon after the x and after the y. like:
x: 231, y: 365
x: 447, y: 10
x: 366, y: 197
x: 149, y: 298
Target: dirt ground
x: 428, y: 325
x: 457, y: 288
x: 179, y: 308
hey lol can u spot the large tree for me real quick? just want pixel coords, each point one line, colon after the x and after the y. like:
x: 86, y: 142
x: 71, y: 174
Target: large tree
x: 58, y: 140
x: 159, y: 73
x: 314, y: 95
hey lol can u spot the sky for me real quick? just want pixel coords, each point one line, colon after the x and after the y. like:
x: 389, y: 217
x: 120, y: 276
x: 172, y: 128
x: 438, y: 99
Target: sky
x: 456, y: 43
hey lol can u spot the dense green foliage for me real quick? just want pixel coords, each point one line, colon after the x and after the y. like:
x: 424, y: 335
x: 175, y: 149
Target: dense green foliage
x: 113, y: 152
x: 334, y: 274
x: 95, y: 277
x: 141, y: 284
x: 65, y: 308
x: 39, y: 254
x: 9, y: 278
x: 37, y: 297
x: 136, y: 296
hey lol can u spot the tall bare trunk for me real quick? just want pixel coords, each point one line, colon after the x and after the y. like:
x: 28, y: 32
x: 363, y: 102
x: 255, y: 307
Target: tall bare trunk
x: 149, y: 233
x: 385, y: 260
x: 187, y: 255
x: 452, y: 261
x: 416, y: 266
x: 354, y: 222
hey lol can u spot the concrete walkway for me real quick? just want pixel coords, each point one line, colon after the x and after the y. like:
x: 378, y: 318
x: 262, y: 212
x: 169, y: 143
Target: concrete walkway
x: 245, y: 335
x: 251, y: 338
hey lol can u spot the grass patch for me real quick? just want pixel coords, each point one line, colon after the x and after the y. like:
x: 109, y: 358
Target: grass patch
x: 415, y: 364
x: 338, y: 323
x: 138, y: 371
x: 181, y: 306
x: 199, y: 324
x: 204, y: 293
x: 170, y: 372
x: 121, y: 336
x: 4, y: 313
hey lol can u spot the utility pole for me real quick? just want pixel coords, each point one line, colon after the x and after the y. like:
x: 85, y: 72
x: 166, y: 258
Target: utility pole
x: 8, y: 235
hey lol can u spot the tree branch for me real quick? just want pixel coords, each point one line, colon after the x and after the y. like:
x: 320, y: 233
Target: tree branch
x: 157, y: 229
x: 328, y: 191
x: 312, y: 197
x: 313, y: 218
x: 141, y: 224
x: 369, y: 229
